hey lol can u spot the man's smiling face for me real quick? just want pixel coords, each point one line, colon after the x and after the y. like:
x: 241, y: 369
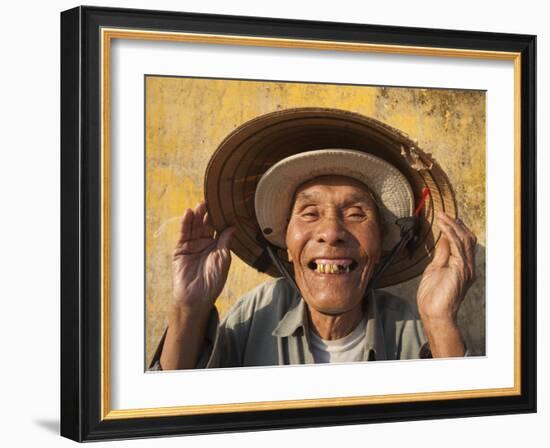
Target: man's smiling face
x: 334, y: 241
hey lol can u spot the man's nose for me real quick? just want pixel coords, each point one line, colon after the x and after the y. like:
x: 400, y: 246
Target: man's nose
x: 331, y: 230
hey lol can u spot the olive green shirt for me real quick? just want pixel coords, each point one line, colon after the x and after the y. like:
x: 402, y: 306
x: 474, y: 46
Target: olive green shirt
x: 269, y: 326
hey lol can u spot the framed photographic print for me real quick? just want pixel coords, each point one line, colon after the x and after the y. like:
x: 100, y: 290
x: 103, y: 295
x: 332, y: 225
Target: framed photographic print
x: 272, y: 223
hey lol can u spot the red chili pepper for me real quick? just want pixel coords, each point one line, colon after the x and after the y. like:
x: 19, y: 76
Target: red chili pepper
x: 425, y: 192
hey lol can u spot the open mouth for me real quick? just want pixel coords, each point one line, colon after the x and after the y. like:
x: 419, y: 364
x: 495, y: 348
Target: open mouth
x: 333, y: 266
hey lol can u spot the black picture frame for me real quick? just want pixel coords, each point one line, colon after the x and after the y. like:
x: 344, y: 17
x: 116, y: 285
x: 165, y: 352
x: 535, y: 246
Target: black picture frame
x: 81, y: 214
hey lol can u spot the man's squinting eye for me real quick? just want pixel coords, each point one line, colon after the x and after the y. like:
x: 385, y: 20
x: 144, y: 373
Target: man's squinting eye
x: 355, y: 213
x: 309, y: 213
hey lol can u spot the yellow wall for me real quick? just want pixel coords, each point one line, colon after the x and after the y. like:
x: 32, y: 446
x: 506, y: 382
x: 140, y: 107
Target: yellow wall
x: 186, y: 119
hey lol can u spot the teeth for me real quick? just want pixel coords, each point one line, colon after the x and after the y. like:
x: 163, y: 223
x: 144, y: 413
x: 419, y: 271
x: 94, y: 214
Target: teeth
x: 330, y: 268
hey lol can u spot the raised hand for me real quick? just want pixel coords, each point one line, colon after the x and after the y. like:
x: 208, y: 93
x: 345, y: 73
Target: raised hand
x: 200, y: 262
x: 444, y: 285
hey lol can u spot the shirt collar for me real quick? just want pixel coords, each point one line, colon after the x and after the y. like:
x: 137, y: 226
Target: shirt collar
x: 296, y: 317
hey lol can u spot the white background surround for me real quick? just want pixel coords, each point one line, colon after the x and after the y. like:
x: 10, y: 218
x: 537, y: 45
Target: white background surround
x: 29, y: 228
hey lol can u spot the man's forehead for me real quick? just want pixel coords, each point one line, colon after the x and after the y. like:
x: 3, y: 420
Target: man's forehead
x: 317, y: 188
x: 352, y: 196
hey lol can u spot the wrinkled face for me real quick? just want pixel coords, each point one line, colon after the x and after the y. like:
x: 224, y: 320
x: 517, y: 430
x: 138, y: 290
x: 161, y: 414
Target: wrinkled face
x: 334, y: 241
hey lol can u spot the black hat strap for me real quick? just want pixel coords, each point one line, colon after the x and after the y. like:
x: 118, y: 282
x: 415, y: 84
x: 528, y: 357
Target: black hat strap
x: 269, y: 256
x: 409, y: 227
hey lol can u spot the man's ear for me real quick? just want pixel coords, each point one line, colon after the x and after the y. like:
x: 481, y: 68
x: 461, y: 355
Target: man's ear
x: 288, y: 255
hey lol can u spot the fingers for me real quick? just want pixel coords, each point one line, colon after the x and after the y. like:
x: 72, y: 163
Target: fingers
x: 442, y: 253
x: 448, y: 229
x: 226, y: 237
x: 207, y: 229
x: 465, y: 235
x: 195, y: 225
x: 462, y: 242
x: 198, y: 226
x: 186, y: 226
x: 463, y: 232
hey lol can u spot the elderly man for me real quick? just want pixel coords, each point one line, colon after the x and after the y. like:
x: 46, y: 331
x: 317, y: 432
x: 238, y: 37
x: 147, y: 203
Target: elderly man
x: 333, y: 211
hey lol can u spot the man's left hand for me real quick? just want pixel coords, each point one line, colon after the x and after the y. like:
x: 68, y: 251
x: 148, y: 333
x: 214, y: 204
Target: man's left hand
x: 444, y: 284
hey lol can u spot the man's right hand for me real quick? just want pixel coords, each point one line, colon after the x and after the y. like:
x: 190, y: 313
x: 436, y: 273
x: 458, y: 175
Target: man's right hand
x: 200, y: 262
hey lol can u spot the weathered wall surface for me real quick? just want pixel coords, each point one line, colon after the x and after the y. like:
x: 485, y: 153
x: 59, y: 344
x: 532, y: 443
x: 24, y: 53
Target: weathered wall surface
x: 186, y: 119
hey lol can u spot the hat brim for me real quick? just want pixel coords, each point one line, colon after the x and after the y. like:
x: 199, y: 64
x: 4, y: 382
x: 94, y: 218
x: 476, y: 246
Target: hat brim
x: 243, y: 157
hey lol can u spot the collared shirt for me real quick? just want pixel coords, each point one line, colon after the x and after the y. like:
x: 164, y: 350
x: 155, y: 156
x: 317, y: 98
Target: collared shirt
x: 270, y: 326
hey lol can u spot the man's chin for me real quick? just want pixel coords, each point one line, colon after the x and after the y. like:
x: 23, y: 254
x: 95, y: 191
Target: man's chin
x: 333, y: 302
x: 333, y: 312
x: 335, y: 283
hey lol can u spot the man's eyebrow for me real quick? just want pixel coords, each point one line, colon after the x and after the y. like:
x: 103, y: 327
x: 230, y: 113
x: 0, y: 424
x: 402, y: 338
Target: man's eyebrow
x: 306, y: 196
x: 367, y: 197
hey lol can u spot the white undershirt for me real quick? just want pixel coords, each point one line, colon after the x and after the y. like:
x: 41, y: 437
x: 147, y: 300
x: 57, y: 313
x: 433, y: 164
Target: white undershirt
x: 346, y: 349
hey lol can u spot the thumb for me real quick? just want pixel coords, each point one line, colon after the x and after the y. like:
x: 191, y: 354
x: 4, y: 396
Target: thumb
x: 224, y: 241
x: 442, y: 252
